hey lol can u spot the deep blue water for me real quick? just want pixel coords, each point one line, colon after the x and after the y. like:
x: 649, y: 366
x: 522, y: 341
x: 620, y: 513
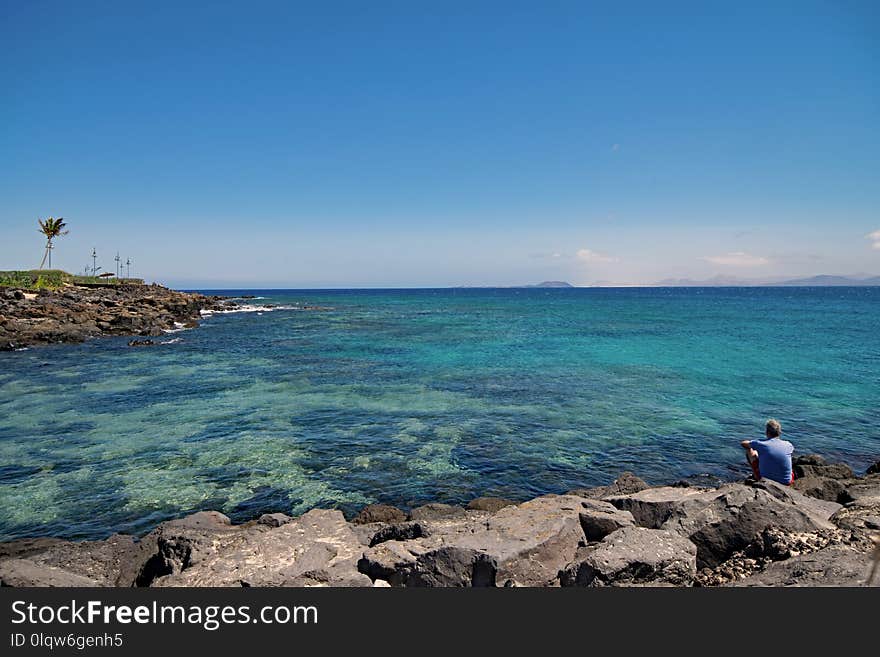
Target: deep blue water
x: 408, y: 396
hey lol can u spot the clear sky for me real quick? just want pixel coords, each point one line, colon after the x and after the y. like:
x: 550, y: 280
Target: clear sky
x: 448, y: 143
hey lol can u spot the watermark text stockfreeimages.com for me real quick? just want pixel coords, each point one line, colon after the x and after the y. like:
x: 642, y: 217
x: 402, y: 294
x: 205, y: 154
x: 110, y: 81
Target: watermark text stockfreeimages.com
x: 209, y: 617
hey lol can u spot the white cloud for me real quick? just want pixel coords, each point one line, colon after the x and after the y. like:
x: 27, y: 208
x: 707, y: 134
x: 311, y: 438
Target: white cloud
x: 737, y: 259
x: 875, y: 239
x: 588, y: 255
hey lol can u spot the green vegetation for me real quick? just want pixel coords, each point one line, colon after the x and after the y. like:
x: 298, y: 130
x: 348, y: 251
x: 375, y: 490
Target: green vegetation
x: 55, y: 279
x: 51, y: 228
x: 45, y: 279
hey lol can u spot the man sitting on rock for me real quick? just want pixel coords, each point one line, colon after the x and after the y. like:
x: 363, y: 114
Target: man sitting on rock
x: 771, y: 458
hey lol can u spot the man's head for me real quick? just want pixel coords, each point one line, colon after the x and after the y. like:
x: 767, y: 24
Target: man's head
x: 773, y: 428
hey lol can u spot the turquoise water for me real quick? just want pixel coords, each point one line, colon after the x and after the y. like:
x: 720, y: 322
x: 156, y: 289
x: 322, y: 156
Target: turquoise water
x: 411, y: 396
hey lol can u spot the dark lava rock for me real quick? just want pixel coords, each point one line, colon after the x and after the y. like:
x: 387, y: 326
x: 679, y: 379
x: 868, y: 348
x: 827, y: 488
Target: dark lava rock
x: 633, y: 556
x: 317, y: 549
x: 625, y: 484
x: 437, y: 511
x: 403, y: 531
x: 832, y: 566
x: 874, y: 468
x: 491, y: 504
x: 523, y: 545
x: 115, y: 561
x: 74, y: 314
x: 24, y: 572
x: 865, y: 490
x: 379, y: 513
x: 823, y: 488
x: 861, y: 514
x: 808, y: 459
x: 832, y: 471
x: 598, y: 519
x: 274, y: 519
x: 721, y: 521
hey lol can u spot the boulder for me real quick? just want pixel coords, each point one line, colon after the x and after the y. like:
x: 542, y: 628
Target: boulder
x: 721, y: 521
x: 820, y: 508
x: 776, y: 544
x: 654, y: 506
x: 598, y: 519
x: 823, y: 488
x: 861, y: 513
x: 858, y: 517
x: 874, y: 468
x: 491, y: 504
x: 523, y: 545
x: 625, y: 484
x: 437, y: 511
x: 24, y: 572
x: 316, y: 549
x: 831, y: 566
x: 274, y: 519
x: 808, y: 459
x: 25, y: 546
x: 378, y: 513
x: 633, y: 556
x: 866, y: 490
x: 115, y: 561
x: 410, y: 564
x: 403, y: 531
x: 814, y: 465
x: 184, y: 542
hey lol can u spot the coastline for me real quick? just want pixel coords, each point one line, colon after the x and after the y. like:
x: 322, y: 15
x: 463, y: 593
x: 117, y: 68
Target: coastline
x: 75, y: 314
x: 819, y: 532
x: 627, y: 533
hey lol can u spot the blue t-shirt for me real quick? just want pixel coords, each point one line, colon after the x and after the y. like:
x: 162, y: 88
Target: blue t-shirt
x: 774, y: 459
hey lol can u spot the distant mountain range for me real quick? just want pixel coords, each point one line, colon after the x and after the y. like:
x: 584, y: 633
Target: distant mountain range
x: 830, y: 281
x: 823, y: 280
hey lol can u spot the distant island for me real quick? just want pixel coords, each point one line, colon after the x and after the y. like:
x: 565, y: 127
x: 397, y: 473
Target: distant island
x: 550, y: 284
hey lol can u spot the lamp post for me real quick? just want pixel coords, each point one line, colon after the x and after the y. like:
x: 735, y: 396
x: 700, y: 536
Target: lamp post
x: 94, y: 257
x: 117, y: 259
x: 128, y: 267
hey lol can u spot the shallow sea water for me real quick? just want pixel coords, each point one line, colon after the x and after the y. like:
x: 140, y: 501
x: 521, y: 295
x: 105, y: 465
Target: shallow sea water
x: 409, y: 396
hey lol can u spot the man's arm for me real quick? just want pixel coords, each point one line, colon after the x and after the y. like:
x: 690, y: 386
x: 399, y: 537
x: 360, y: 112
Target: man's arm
x: 746, y: 444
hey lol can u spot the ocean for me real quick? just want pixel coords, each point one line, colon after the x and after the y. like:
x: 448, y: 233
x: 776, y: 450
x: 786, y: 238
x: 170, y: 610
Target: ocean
x: 410, y: 396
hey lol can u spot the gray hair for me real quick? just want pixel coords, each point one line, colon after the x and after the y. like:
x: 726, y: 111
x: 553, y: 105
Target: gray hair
x: 774, y: 429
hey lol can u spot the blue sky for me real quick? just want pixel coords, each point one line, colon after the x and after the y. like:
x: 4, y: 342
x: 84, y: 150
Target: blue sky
x: 419, y: 144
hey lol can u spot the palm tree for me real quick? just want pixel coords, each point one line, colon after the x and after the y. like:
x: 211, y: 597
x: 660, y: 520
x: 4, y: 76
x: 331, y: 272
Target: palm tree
x: 51, y: 228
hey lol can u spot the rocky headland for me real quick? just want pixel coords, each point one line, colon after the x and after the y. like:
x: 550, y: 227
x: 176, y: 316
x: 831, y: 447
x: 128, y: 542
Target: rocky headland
x: 74, y: 313
x: 821, y: 532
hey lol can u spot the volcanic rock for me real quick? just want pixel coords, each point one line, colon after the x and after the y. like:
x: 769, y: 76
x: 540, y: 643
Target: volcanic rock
x: 721, y: 521
x: 632, y: 556
x: 316, y: 549
x: 491, y: 504
x: 379, y: 513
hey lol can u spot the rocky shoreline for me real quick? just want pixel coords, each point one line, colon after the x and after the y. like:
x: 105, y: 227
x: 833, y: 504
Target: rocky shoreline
x: 821, y: 532
x: 75, y: 314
